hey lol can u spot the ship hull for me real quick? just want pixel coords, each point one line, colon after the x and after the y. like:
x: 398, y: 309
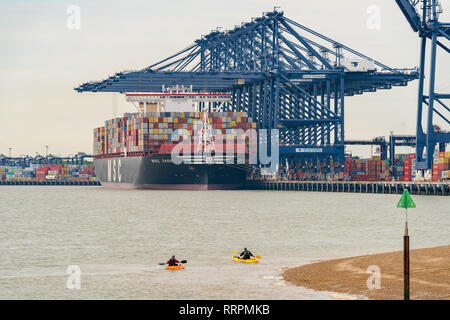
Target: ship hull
x: 159, y: 172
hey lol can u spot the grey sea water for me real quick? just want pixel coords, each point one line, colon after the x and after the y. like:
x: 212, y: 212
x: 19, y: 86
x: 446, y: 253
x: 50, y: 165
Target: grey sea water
x: 118, y: 237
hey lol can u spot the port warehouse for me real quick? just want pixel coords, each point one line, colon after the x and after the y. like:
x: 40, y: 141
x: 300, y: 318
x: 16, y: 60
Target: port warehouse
x: 289, y: 77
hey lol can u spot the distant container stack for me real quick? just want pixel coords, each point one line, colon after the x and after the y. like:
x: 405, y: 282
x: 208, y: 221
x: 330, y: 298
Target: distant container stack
x: 42, y: 172
x: 402, y: 169
x: 404, y: 165
x: 366, y: 169
x: 441, y: 166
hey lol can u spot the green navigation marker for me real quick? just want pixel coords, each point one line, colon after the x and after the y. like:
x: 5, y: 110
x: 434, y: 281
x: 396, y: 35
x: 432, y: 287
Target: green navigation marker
x: 406, y: 201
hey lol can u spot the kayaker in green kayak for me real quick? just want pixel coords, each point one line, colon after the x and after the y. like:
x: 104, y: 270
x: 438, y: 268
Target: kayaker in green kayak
x: 246, y: 254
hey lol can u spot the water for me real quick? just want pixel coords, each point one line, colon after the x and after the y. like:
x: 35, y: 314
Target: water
x: 118, y: 237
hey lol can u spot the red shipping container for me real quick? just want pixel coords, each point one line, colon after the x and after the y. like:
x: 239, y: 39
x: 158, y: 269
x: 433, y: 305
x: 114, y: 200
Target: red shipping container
x: 435, y: 168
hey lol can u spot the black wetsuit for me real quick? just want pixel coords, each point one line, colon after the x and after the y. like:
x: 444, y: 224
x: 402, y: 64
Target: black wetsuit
x: 246, y: 254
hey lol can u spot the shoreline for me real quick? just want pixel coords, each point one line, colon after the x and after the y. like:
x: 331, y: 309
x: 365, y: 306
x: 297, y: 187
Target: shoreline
x: 429, y: 275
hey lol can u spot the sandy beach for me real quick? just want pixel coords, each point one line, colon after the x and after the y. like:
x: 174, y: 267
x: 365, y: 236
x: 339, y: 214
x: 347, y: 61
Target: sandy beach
x: 430, y: 275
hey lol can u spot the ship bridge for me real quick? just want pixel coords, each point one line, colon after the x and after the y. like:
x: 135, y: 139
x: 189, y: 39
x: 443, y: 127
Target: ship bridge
x: 178, y: 99
x: 285, y: 75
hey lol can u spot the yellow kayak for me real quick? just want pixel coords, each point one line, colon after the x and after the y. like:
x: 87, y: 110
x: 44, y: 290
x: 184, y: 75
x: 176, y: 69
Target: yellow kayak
x: 179, y: 267
x: 251, y: 260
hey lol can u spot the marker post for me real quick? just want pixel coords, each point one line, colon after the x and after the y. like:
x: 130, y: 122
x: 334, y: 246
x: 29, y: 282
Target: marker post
x: 406, y: 202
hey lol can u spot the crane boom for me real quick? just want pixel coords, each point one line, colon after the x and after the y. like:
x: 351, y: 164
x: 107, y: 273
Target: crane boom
x: 410, y: 13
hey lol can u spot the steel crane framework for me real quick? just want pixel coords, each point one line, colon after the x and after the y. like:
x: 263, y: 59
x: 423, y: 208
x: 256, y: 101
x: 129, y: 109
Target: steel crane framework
x: 285, y: 75
x: 423, y: 16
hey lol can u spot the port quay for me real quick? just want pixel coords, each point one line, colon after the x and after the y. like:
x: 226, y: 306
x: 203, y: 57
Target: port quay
x: 417, y: 188
x: 424, y: 188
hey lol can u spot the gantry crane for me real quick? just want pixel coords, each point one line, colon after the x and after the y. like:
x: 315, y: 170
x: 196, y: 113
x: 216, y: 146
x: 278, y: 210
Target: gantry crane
x: 285, y: 75
x: 423, y: 17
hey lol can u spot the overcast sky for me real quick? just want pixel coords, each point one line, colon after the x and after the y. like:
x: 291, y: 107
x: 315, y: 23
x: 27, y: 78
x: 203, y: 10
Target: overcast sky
x: 42, y: 60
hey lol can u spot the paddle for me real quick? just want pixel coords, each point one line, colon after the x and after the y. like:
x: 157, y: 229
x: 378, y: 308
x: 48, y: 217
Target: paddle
x: 257, y: 257
x: 163, y: 263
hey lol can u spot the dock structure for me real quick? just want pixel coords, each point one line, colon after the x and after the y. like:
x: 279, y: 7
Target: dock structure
x: 50, y: 183
x: 380, y: 187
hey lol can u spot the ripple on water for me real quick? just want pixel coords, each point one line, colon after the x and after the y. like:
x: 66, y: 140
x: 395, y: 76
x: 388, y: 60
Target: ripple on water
x: 118, y: 237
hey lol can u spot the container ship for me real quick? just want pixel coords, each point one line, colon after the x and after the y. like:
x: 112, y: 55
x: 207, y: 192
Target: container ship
x: 135, y: 151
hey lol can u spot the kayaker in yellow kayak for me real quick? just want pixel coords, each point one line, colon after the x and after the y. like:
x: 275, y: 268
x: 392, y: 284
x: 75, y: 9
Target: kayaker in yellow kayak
x: 172, y: 261
x: 246, y: 254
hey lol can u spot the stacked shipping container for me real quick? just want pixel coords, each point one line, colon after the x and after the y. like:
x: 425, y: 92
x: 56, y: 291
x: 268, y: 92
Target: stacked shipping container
x: 149, y: 133
x: 40, y: 172
x: 366, y: 169
x: 441, y: 166
x: 405, y: 168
